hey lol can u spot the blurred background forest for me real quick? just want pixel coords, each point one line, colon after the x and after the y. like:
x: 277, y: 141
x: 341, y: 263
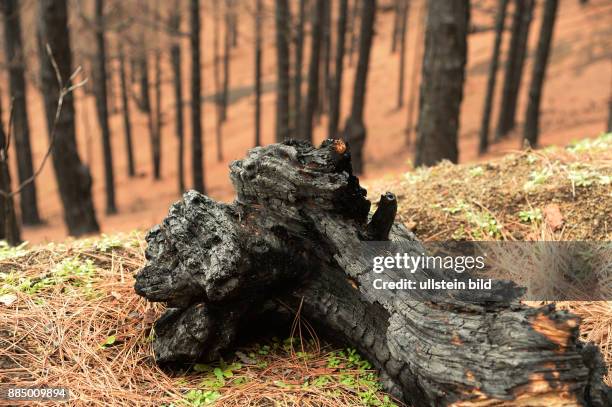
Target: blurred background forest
x: 252, y: 72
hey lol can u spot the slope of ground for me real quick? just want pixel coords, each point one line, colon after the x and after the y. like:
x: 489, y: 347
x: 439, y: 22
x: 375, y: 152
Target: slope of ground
x: 69, y: 316
x: 574, y: 105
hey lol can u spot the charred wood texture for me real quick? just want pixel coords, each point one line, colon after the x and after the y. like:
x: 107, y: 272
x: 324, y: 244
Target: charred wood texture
x: 294, y: 235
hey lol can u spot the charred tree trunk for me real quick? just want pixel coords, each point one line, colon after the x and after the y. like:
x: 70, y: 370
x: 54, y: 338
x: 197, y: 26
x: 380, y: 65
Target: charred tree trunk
x: 354, y: 130
x: 297, y: 78
x: 324, y: 59
x: 9, y: 228
x: 396, y: 24
x: 416, y: 70
x: 144, y: 103
x: 520, y: 63
x: 258, y: 52
x: 227, y: 42
x: 157, y: 146
x: 313, y: 69
x: 175, y: 58
x: 217, y: 73
x: 296, y: 235
x: 20, y: 126
x: 73, y: 178
x: 197, y: 150
x: 336, y: 87
x: 102, y: 109
x: 127, y: 126
x: 488, y: 104
x: 514, y: 51
x: 442, y: 85
x: 405, y: 8
x: 281, y: 17
x: 354, y: 23
x: 532, y: 116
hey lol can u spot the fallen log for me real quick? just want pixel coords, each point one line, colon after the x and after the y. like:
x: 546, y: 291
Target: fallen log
x: 293, y: 237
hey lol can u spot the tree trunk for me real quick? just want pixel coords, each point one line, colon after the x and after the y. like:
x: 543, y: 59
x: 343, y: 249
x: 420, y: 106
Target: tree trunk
x: 9, y: 228
x: 258, y: 52
x: 296, y: 237
x: 520, y: 63
x: 102, y: 108
x: 532, y: 116
x: 20, y: 126
x: 503, y: 123
x: 217, y: 71
x: 73, y: 178
x: 416, y: 70
x: 227, y: 42
x: 157, y: 148
x: 396, y: 24
x: 405, y: 8
x: 281, y: 14
x: 488, y: 104
x: 609, y: 128
x: 127, y: 126
x: 297, y: 79
x: 175, y: 57
x: 442, y: 84
x: 354, y: 130
x: 354, y: 20
x: 313, y: 69
x: 324, y: 60
x: 197, y: 150
x: 336, y: 87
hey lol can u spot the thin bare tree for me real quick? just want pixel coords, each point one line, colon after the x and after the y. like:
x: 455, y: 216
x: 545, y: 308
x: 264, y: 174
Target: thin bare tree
x: 13, y: 46
x: 404, y: 13
x: 197, y: 148
x: 175, y: 59
x: 281, y: 14
x: 354, y: 130
x: 532, y: 116
x: 312, y: 96
x: 488, y: 104
x: 125, y: 104
x: 336, y: 87
x: 258, y: 58
x: 9, y: 227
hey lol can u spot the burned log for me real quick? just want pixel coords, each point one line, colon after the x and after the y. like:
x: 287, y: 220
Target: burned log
x: 294, y: 236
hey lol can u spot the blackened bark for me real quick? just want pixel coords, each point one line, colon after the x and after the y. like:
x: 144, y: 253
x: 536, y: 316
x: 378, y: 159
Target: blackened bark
x: 442, y: 84
x: 488, y: 104
x: 9, y: 228
x: 396, y: 24
x: 336, y: 87
x: 520, y: 63
x: 281, y: 17
x: 175, y: 59
x: 532, y: 116
x: 258, y: 56
x: 298, y: 115
x: 157, y: 145
x: 295, y: 235
x: 227, y: 57
x: 355, y: 12
x: 416, y: 70
x: 313, y: 69
x: 503, y: 122
x: 325, y: 60
x: 20, y: 126
x: 102, y: 108
x: 405, y: 8
x: 73, y: 178
x: 197, y: 150
x: 354, y: 130
x: 127, y: 125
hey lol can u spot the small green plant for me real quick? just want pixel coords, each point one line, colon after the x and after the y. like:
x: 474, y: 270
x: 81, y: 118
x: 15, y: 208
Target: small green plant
x: 459, y: 207
x: 530, y: 216
x: 476, y: 171
x: 9, y: 252
x: 537, y: 178
x: 583, y: 177
x: 110, y: 341
x: 197, y: 398
x: 603, y: 142
x: 486, y: 225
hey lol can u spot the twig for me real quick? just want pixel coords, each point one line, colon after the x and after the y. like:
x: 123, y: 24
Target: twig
x: 64, y: 91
